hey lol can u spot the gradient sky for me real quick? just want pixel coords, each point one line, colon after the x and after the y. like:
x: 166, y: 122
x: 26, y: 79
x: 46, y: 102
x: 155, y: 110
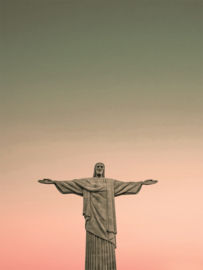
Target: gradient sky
x: 112, y: 81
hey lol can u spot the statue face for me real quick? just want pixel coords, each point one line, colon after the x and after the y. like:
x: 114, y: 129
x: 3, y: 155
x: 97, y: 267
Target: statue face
x: 99, y: 169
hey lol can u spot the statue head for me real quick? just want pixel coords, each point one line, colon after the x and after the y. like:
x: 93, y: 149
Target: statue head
x: 99, y: 170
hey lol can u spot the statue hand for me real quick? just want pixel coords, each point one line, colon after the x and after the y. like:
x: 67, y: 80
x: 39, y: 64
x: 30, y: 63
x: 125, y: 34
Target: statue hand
x: 46, y: 181
x: 149, y: 182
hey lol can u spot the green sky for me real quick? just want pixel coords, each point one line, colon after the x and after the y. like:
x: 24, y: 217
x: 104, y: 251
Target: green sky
x: 130, y: 70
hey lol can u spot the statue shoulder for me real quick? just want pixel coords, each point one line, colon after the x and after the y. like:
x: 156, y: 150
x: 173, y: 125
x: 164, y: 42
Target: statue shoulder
x: 86, y: 179
x: 110, y: 180
x: 84, y: 182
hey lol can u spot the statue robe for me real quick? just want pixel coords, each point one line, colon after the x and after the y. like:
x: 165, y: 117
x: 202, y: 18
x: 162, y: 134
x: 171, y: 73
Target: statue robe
x: 99, y: 212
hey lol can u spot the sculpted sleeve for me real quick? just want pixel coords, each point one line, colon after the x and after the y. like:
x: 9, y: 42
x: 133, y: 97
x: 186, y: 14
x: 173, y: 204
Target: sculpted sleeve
x: 69, y: 187
x: 126, y: 188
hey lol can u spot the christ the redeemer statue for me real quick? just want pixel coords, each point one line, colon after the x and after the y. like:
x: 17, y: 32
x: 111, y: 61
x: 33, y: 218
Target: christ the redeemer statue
x: 98, y: 195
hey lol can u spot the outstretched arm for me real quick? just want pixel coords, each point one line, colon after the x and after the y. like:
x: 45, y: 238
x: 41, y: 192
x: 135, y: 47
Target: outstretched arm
x: 65, y: 187
x: 126, y: 188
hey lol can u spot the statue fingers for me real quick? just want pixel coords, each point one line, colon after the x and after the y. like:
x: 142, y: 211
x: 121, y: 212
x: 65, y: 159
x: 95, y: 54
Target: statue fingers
x: 150, y: 182
x: 153, y: 182
x: 41, y: 181
x: 45, y: 181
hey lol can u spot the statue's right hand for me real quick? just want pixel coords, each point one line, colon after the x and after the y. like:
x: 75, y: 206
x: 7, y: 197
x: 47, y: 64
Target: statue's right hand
x: 46, y: 181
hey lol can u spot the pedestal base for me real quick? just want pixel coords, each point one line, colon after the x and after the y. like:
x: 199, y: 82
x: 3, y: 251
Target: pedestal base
x: 100, y: 253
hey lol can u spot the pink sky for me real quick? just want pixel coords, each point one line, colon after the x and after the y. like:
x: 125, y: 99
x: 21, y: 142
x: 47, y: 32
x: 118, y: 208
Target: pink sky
x: 160, y: 228
x: 118, y: 82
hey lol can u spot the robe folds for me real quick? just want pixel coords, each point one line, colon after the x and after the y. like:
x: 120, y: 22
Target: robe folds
x: 99, y: 212
x: 98, y: 202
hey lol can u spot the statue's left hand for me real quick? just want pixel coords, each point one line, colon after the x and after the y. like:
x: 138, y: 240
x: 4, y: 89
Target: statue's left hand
x: 149, y: 182
x: 46, y: 181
